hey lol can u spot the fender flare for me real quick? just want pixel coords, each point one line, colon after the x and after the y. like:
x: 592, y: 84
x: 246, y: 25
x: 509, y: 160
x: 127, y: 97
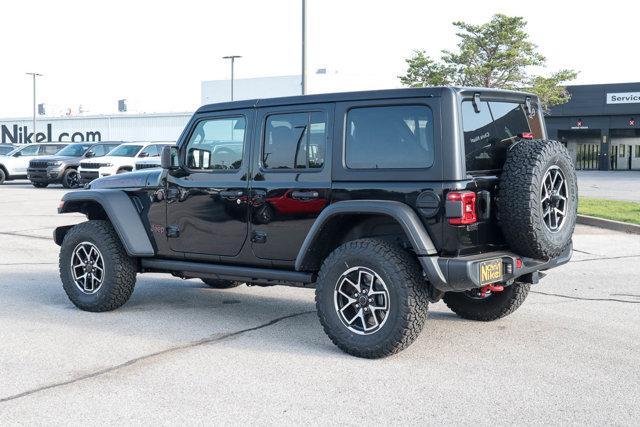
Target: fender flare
x: 402, y: 213
x: 121, y: 212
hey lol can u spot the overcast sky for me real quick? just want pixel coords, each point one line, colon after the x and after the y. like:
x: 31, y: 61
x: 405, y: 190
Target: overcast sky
x: 156, y: 53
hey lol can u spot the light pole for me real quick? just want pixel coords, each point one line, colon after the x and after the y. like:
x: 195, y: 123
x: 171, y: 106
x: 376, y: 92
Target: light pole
x: 34, y: 75
x: 232, y: 58
x: 304, y: 47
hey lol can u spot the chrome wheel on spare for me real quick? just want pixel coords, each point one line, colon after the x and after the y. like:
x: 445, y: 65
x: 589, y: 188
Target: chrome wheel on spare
x: 361, y: 300
x: 87, y: 267
x: 371, y: 298
x: 553, y: 198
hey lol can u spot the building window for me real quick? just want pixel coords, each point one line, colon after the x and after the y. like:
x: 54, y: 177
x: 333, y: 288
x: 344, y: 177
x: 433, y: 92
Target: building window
x: 389, y: 137
x: 637, y: 151
x: 621, y: 152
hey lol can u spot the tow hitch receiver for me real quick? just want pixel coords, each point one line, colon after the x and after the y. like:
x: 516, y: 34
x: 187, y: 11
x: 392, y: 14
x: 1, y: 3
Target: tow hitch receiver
x: 490, y: 288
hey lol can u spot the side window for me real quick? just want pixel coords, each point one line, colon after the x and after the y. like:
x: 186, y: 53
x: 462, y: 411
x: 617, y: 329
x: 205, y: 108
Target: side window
x: 393, y: 137
x: 30, y: 151
x: 50, y: 149
x: 294, y: 141
x: 149, y: 151
x: 98, y: 150
x: 217, y: 144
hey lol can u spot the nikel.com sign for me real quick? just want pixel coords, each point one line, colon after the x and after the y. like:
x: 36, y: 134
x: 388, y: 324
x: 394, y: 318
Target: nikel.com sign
x: 15, y: 134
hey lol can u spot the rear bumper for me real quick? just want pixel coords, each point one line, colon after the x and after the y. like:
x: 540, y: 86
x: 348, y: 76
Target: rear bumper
x: 462, y: 273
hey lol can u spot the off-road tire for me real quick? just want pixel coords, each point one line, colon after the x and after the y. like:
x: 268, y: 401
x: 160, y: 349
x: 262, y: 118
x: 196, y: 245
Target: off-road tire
x: 40, y: 184
x: 519, y: 208
x: 221, y: 284
x: 3, y: 176
x: 120, y: 268
x: 492, y: 307
x: 66, y: 178
x: 408, y: 297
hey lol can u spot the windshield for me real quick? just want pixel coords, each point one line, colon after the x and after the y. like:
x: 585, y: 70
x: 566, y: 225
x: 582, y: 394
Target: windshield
x: 126, y: 151
x: 489, y: 132
x: 74, y: 150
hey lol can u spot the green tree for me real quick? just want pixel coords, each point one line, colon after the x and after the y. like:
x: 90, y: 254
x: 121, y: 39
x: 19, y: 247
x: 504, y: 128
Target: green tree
x: 494, y: 54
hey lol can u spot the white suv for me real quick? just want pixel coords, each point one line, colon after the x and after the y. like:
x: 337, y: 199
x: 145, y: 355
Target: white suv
x: 15, y: 163
x: 121, y: 159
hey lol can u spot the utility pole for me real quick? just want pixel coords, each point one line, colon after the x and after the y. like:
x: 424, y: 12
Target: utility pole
x: 232, y: 58
x: 304, y: 47
x: 34, y: 75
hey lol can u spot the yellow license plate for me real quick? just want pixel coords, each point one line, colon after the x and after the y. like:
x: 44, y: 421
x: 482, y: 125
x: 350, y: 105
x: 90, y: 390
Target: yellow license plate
x: 490, y: 271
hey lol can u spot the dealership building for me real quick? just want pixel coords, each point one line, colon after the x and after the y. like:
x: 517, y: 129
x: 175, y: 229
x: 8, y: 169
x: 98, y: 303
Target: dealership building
x: 600, y: 126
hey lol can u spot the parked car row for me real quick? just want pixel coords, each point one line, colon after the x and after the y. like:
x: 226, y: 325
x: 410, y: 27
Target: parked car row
x: 75, y: 164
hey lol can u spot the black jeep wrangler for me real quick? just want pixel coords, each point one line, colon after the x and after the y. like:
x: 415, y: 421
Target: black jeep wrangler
x: 383, y: 201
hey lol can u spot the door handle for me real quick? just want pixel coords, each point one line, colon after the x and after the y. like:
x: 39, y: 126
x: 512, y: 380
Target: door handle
x: 231, y: 193
x: 305, y: 195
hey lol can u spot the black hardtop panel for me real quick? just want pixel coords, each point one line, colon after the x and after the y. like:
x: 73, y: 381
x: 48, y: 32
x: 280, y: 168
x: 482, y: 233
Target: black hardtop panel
x: 327, y: 97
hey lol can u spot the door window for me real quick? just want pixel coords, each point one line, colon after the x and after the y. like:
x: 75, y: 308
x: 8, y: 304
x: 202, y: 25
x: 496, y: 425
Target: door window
x: 32, y: 150
x: 294, y: 141
x: 149, y: 151
x: 50, y: 149
x: 217, y: 144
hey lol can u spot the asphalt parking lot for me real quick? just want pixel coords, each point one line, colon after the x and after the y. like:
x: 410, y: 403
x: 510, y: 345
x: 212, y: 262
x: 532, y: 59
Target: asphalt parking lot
x: 614, y: 185
x: 179, y: 352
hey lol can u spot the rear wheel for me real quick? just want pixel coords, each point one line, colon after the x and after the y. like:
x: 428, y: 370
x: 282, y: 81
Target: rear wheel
x: 3, y: 176
x: 371, y: 298
x: 71, y: 179
x: 476, y: 305
x: 221, y: 284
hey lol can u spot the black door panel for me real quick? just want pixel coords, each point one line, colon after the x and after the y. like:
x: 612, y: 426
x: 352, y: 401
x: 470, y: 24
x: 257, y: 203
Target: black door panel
x: 206, y: 201
x: 291, y: 181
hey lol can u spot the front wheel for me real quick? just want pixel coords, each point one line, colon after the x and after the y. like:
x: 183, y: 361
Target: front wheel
x: 96, y: 271
x: 487, y: 306
x: 71, y: 179
x: 3, y: 176
x: 371, y: 298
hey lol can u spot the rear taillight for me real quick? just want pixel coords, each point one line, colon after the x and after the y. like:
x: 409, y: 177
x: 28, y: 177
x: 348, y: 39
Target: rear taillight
x: 461, y: 207
x: 526, y: 135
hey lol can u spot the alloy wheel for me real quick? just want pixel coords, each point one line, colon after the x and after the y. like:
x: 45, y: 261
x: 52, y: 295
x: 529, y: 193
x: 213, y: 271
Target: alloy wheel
x: 361, y: 300
x: 553, y: 199
x: 87, y: 267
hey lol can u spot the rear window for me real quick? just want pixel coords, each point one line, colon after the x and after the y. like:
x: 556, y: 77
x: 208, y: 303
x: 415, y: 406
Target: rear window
x: 393, y: 137
x: 488, y: 134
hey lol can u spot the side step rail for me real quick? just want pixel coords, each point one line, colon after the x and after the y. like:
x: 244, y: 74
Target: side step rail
x: 267, y: 276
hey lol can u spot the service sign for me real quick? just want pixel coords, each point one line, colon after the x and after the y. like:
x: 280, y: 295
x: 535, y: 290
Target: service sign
x: 623, y: 98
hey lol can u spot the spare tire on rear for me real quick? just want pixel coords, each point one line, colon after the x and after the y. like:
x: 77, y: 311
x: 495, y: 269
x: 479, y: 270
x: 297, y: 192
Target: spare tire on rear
x: 538, y: 198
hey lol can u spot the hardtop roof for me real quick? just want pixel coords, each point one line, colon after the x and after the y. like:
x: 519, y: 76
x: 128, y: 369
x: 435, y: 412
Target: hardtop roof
x: 434, y: 91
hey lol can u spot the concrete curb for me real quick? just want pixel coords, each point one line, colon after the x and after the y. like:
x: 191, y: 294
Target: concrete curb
x: 624, y: 227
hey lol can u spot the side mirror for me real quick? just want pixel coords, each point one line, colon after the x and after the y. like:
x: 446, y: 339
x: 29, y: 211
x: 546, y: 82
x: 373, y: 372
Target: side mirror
x: 18, y: 154
x: 143, y: 154
x: 90, y: 154
x: 169, y: 158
